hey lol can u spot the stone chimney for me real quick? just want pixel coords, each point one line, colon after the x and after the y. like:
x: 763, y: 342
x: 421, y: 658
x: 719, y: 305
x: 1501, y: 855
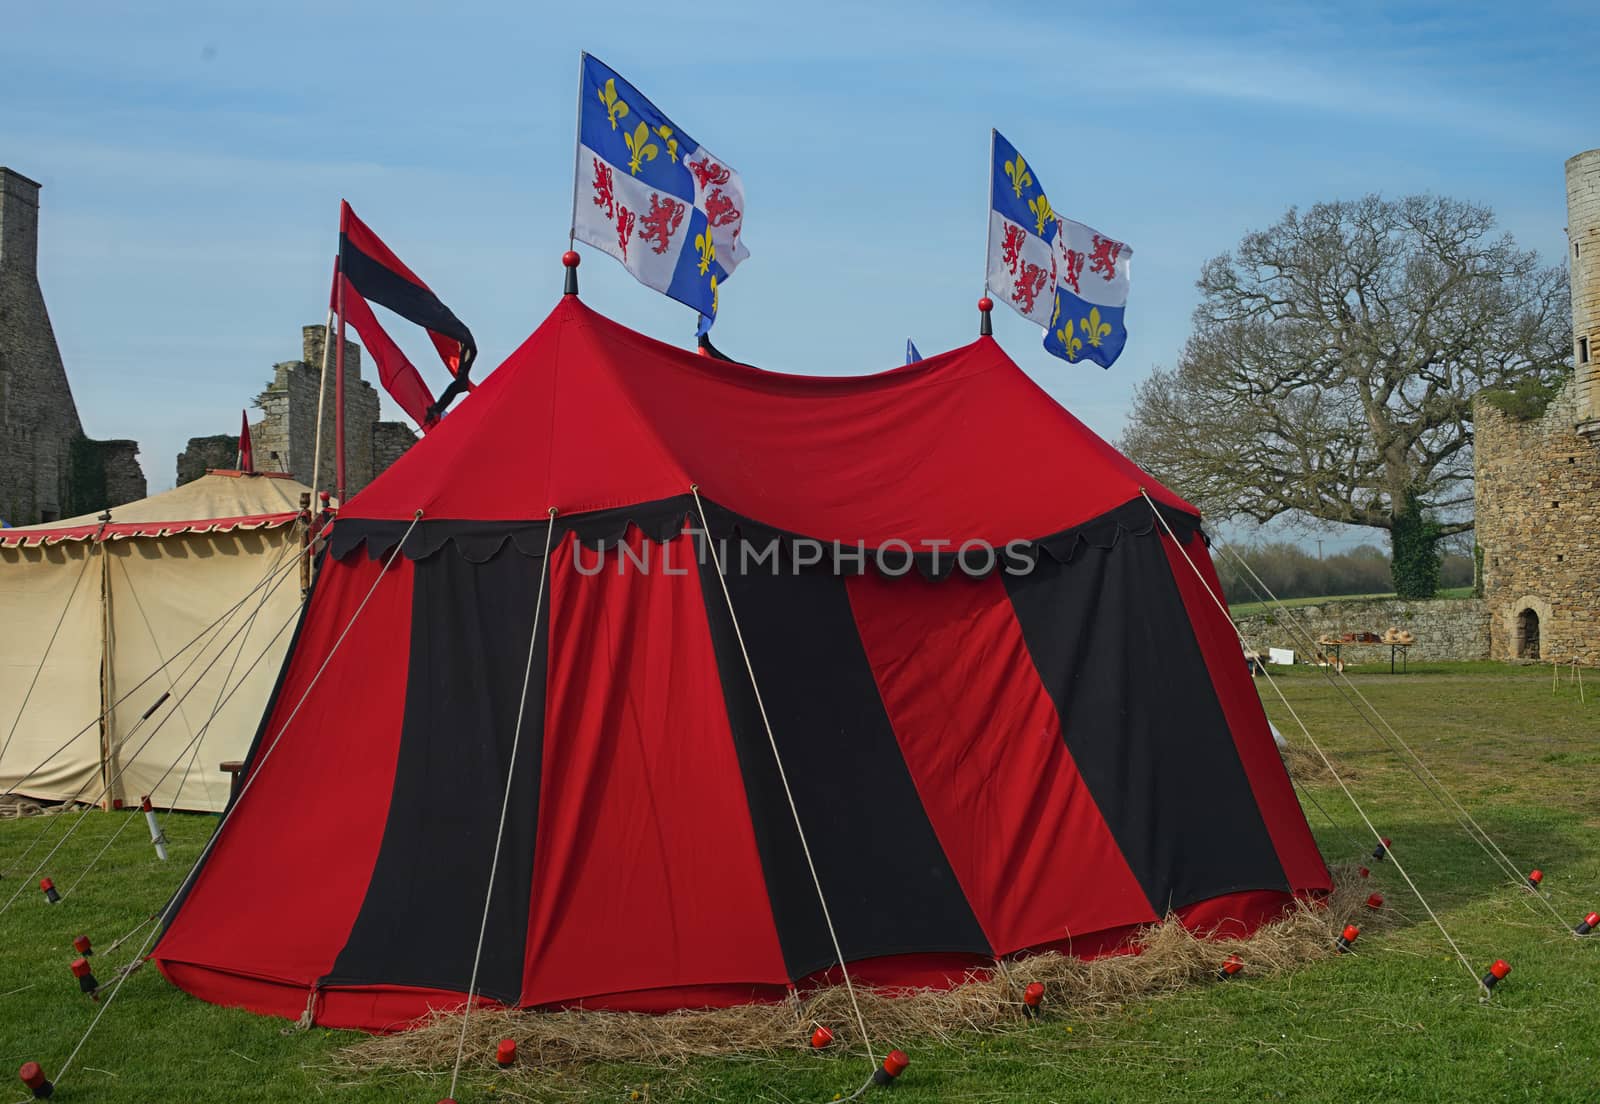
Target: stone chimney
x: 1583, y: 236
x: 19, y: 225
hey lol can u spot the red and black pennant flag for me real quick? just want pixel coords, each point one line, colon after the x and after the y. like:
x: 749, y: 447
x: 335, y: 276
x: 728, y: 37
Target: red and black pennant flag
x: 369, y: 272
x: 247, y: 454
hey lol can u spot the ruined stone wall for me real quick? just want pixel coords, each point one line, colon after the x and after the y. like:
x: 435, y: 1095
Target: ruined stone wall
x: 205, y: 453
x: 285, y: 439
x: 1538, y: 522
x: 48, y: 470
x: 389, y: 441
x: 1583, y: 237
x: 1445, y: 628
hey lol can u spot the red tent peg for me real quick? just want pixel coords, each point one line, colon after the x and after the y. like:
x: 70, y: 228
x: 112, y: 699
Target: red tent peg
x: 85, y: 975
x: 1497, y: 973
x: 1535, y: 877
x: 1346, y: 938
x: 1230, y: 967
x: 894, y: 1064
x: 821, y: 1037
x: 33, y: 1077
x: 1375, y: 901
x: 83, y: 946
x: 48, y: 888
x: 505, y: 1053
x: 1032, y: 998
x: 1588, y: 924
x: 1382, y: 849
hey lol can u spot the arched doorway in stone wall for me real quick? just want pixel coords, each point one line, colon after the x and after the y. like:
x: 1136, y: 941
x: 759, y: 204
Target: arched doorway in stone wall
x: 1525, y: 643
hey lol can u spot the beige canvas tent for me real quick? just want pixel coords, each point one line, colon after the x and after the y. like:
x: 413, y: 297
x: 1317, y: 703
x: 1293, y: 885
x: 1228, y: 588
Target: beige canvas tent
x: 191, y: 594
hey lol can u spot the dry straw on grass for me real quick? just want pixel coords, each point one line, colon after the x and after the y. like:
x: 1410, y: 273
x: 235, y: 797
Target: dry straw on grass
x: 989, y: 1002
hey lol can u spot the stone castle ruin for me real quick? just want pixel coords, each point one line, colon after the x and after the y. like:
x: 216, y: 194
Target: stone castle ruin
x: 48, y: 468
x: 1538, y: 479
x: 285, y: 439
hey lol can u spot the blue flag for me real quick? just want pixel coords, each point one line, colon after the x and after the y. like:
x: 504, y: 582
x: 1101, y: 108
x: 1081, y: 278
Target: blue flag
x: 912, y: 356
x: 651, y: 196
x: 1059, y: 274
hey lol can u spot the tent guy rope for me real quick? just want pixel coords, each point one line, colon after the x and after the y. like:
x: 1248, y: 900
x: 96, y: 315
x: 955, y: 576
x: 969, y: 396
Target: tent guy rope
x: 827, y: 916
x: 166, y: 913
x: 212, y: 630
x: 1413, y: 762
x: 505, y: 800
x: 1466, y: 964
x: 111, y: 782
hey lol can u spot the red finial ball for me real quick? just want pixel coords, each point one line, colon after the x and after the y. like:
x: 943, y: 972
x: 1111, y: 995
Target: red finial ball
x: 986, y: 304
x: 570, y: 258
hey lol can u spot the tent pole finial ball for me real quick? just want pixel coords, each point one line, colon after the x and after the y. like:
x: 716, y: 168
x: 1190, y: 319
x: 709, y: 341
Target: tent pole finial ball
x: 570, y: 260
x: 985, y: 326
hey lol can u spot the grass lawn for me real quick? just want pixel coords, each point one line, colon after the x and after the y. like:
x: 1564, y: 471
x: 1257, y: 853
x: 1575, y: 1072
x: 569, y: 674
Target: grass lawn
x: 1398, y: 1021
x: 1251, y: 609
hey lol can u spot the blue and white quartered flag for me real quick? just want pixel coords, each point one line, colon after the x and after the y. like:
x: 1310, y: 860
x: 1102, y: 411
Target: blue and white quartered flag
x: 1059, y: 274
x: 651, y: 196
x: 912, y: 356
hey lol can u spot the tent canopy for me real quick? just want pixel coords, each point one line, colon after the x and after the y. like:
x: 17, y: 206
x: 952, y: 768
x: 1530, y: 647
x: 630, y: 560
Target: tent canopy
x: 587, y: 415
x: 984, y: 762
x: 218, y: 501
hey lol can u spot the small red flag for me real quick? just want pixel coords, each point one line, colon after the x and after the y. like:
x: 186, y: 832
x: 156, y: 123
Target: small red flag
x: 247, y: 460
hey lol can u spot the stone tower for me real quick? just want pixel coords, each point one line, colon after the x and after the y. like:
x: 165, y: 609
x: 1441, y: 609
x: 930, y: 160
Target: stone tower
x: 48, y: 469
x: 1583, y: 235
x: 286, y: 437
x: 1538, y: 479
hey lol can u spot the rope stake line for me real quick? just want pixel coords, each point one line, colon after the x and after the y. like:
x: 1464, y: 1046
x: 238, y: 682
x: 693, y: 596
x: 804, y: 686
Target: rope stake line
x: 1351, y: 693
x: 195, y: 741
x: 213, y: 630
x: 39, y: 670
x: 117, y: 777
x: 783, y: 776
x: 1389, y: 849
x: 505, y: 800
x: 165, y: 914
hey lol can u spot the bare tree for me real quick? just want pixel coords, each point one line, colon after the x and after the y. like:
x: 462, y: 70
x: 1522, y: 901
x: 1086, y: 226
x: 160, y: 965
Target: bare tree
x: 1333, y: 363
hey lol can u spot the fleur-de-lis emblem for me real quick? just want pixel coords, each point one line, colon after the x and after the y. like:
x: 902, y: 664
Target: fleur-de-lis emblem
x: 665, y: 134
x: 1020, y: 176
x: 1042, y: 213
x: 713, y: 295
x: 707, y: 248
x: 1069, y: 341
x: 615, y: 108
x: 640, y: 146
x: 1093, y: 328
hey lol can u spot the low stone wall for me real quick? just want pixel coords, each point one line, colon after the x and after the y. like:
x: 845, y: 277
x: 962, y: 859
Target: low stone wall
x: 1446, y: 628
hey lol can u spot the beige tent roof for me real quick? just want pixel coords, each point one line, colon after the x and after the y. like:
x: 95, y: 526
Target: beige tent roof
x: 216, y: 502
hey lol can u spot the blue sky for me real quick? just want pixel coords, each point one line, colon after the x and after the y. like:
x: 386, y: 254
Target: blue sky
x: 194, y: 155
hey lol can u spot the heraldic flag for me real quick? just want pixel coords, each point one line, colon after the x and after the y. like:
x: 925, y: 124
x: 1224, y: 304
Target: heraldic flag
x: 1059, y: 274
x: 653, y: 197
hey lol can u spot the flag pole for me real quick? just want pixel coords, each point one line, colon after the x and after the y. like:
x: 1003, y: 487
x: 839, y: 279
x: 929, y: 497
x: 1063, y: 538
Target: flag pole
x: 577, y: 146
x: 322, y: 383
x: 338, y: 383
x: 988, y: 217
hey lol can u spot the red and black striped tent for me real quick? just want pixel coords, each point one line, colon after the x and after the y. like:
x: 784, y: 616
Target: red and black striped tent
x: 985, y: 759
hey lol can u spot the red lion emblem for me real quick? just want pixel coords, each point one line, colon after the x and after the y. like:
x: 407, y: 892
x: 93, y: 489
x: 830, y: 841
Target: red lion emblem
x: 658, y: 226
x: 720, y: 209
x: 1029, y: 283
x: 625, y: 219
x: 603, y: 196
x: 1074, y: 268
x: 1103, y: 259
x: 708, y: 172
x: 1012, y: 246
